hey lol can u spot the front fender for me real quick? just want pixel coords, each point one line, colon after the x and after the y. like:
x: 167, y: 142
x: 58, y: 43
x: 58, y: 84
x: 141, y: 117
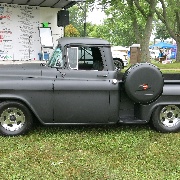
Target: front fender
x: 10, y: 97
x: 39, y: 102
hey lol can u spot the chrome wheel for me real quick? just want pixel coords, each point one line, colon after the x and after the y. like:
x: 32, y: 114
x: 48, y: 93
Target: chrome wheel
x: 170, y: 116
x: 166, y: 118
x: 12, y: 119
x: 15, y: 118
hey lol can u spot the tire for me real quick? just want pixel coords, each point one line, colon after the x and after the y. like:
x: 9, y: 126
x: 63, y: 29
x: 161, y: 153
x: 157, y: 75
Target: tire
x: 143, y: 83
x: 118, y: 63
x: 166, y: 118
x: 15, y: 118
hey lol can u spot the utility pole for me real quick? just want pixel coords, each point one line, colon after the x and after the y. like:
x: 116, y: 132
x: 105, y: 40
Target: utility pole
x: 85, y: 13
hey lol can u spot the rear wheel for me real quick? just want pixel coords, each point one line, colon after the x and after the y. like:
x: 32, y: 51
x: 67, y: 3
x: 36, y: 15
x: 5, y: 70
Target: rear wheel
x: 15, y: 118
x: 167, y: 118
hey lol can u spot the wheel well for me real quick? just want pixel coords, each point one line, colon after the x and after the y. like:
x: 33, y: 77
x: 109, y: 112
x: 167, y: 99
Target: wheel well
x: 35, y: 119
x: 154, y: 108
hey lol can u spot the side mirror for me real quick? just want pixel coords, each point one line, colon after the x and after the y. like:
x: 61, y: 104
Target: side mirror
x: 58, y: 63
x: 43, y: 64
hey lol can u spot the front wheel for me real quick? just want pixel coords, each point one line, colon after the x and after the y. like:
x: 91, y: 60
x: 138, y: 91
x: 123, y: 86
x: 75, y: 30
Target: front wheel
x: 15, y: 118
x: 166, y: 118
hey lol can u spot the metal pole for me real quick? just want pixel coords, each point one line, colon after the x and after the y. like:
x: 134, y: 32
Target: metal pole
x: 85, y: 13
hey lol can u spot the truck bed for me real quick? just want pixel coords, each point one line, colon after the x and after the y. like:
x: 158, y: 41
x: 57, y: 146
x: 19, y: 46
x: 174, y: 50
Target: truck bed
x: 167, y: 77
x: 172, y: 76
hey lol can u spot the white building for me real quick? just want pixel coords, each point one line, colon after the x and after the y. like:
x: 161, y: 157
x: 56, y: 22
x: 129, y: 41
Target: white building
x: 20, y: 24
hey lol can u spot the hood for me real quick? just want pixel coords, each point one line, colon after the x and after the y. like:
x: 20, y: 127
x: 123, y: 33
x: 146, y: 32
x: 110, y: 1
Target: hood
x: 24, y: 70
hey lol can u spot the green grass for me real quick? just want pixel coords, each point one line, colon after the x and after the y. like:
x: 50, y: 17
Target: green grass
x: 92, y: 153
x: 170, y: 68
x: 86, y: 152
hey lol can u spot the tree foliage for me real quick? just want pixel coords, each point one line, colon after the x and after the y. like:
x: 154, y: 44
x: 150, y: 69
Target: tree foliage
x: 131, y: 21
x: 71, y: 31
x: 77, y: 17
x: 161, y: 31
x: 169, y: 14
x: 134, y: 17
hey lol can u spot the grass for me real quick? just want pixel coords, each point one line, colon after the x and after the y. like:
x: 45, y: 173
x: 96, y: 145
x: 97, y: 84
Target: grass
x: 92, y: 153
x: 170, y: 68
x: 86, y: 152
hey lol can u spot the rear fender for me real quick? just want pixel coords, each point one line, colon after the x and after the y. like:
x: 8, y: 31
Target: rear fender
x: 144, y: 112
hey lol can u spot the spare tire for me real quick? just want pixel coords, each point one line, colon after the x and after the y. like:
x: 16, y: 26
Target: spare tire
x: 143, y: 82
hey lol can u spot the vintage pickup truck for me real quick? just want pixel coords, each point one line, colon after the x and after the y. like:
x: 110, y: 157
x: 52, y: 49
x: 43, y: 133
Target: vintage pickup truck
x: 80, y: 85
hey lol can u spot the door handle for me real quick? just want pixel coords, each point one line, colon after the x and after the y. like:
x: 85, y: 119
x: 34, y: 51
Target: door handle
x: 101, y: 75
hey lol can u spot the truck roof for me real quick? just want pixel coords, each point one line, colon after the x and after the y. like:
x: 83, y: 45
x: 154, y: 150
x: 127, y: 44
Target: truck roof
x: 82, y: 40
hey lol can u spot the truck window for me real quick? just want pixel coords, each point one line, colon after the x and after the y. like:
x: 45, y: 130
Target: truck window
x: 90, y: 59
x: 56, y: 58
x: 85, y: 58
x: 73, y: 57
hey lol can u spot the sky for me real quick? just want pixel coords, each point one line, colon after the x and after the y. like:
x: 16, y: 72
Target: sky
x: 96, y: 16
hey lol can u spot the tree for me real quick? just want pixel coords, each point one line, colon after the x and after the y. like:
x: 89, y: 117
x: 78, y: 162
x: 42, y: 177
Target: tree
x: 120, y: 29
x: 116, y: 27
x: 139, y: 17
x: 169, y: 14
x: 71, y: 31
x: 161, y: 31
x: 76, y: 18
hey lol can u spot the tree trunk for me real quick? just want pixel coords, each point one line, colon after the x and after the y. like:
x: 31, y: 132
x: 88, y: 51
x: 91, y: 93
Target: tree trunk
x: 143, y: 38
x: 145, y: 55
x: 178, y: 49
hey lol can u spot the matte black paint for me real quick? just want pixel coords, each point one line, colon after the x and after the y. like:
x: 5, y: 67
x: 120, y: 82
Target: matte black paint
x: 63, y: 96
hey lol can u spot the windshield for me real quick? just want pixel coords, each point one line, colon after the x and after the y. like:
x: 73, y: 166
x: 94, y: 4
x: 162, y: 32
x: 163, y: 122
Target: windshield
x: 56, y: 58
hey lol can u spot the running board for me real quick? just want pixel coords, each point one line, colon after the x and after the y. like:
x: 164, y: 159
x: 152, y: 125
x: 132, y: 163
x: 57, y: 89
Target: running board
x: 131, y: 120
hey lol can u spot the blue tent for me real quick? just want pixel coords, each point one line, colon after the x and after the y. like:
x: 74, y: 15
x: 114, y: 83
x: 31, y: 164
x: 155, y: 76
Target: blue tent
x: 163, y: 45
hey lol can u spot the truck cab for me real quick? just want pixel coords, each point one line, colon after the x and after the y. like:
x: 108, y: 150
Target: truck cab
x: 89, y: 82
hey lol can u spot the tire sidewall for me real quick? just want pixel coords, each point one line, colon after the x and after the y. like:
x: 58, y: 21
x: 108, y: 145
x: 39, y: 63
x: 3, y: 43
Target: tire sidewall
x: 136, y: 76
x: 158, y: 124
x: 28, y: 118
x: 120, y: 64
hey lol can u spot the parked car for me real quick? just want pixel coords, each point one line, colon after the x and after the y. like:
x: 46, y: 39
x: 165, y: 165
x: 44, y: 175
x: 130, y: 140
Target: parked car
x: 122, y: 56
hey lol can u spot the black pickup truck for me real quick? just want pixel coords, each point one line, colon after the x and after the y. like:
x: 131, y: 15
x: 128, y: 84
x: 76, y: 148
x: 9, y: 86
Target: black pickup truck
x: 80, y: 85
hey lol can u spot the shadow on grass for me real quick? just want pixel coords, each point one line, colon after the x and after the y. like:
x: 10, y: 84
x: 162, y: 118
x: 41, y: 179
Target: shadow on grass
x: 116, y: 128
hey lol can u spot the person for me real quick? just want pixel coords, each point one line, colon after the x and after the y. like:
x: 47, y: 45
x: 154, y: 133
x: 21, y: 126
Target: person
x: 166, y: 54
x: 161, y: 54
x: 162, y: 57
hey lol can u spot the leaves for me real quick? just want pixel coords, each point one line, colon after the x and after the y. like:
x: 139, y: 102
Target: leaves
x: 161, y: 31
x: 169, y: 14
x: 131, y: 21
x: 71, y: 31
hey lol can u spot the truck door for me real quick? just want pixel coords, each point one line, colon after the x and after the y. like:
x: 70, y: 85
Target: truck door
x: 82, y: 92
